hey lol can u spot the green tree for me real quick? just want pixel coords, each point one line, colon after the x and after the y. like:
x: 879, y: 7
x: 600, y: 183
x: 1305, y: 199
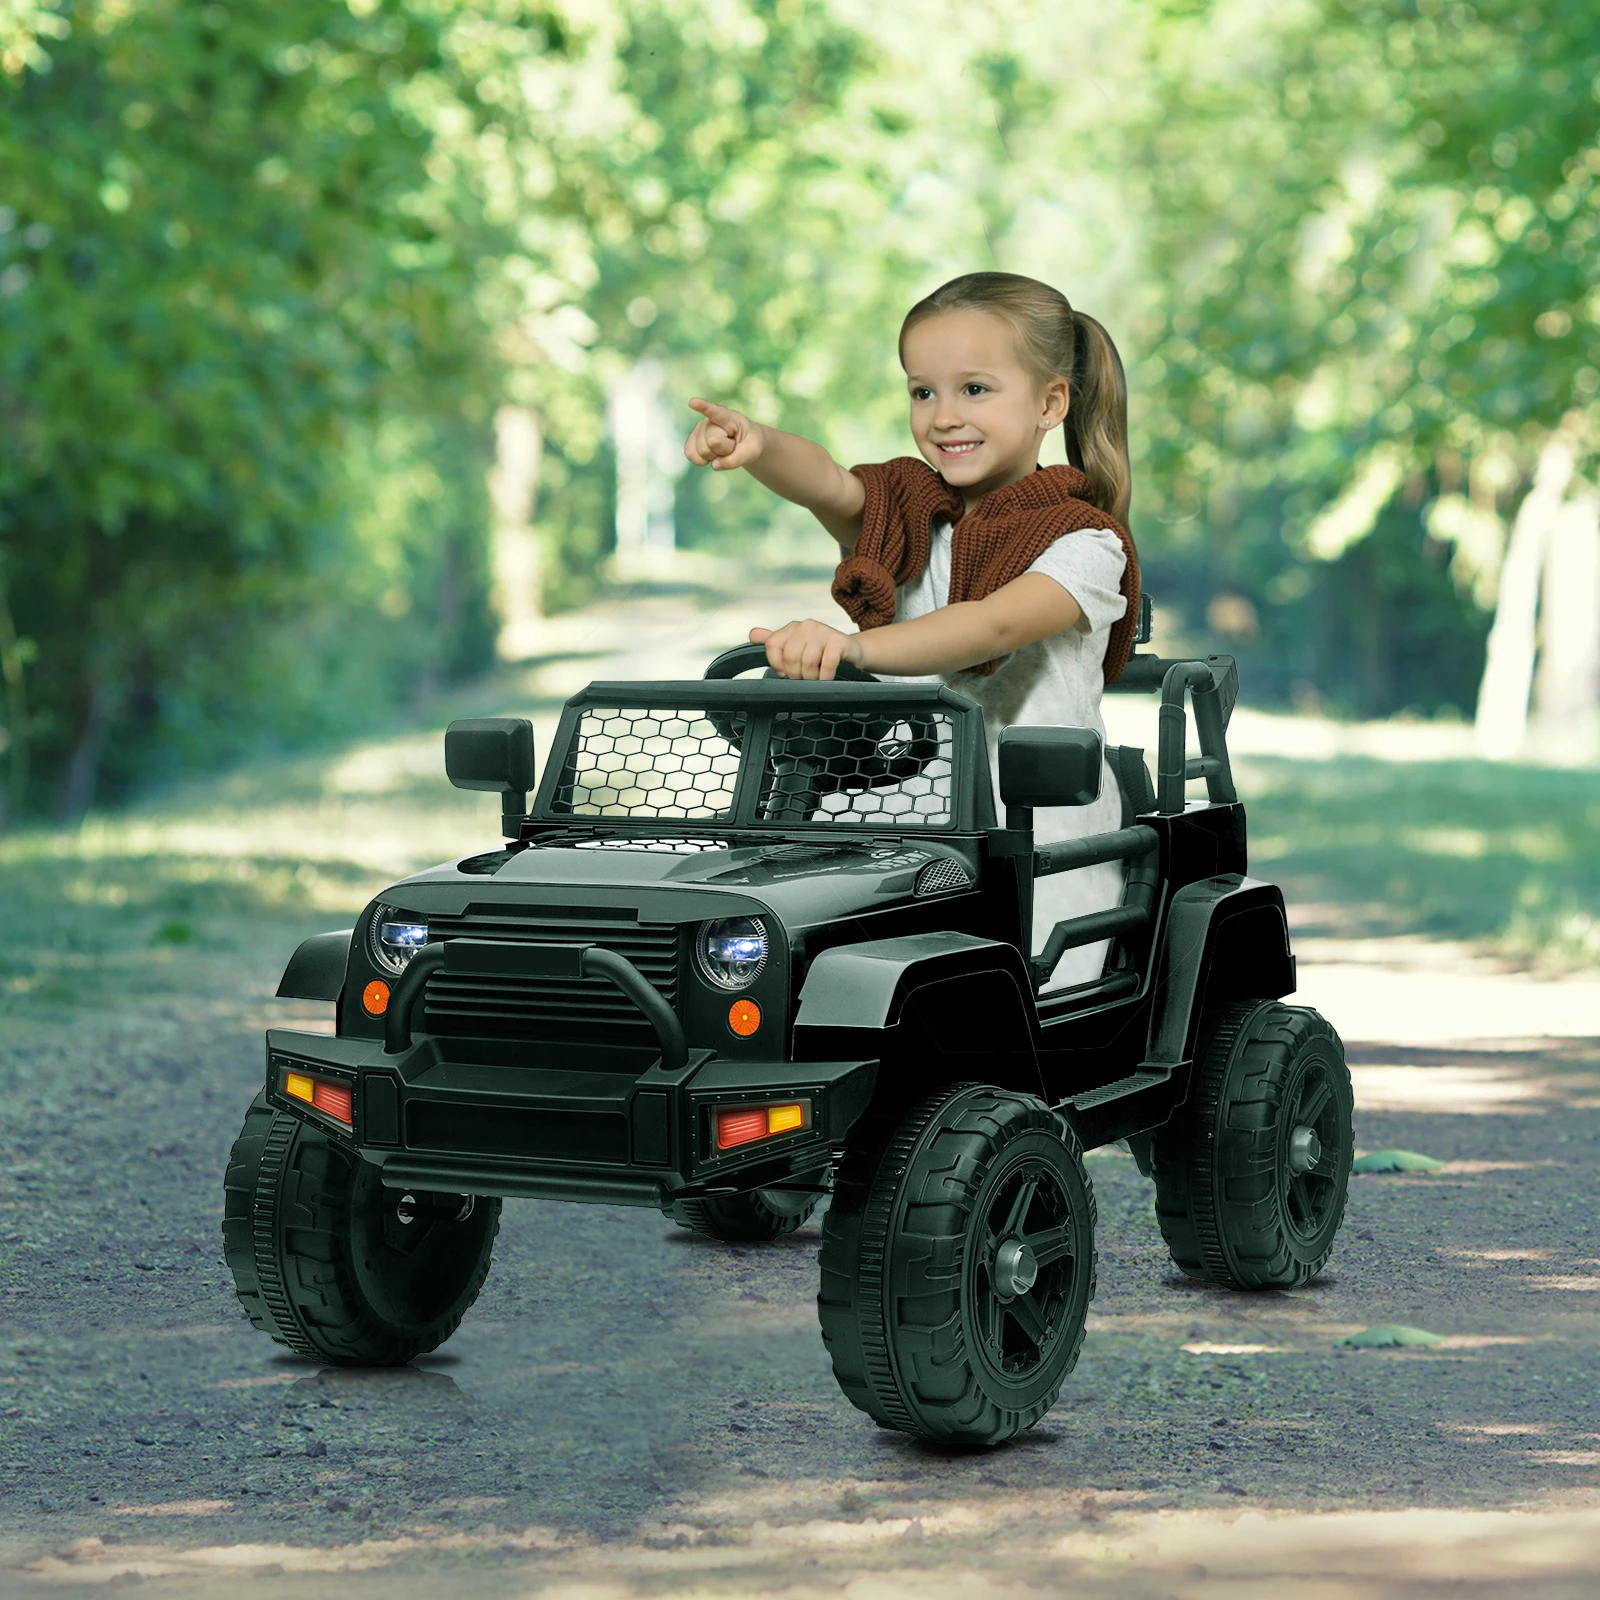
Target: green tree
x: 227, y: 277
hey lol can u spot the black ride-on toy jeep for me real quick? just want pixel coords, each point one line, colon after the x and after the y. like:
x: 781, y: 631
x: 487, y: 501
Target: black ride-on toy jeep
x: 759, y: 940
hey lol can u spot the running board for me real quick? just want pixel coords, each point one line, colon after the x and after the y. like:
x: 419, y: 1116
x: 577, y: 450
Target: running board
x: 1132, y: 1084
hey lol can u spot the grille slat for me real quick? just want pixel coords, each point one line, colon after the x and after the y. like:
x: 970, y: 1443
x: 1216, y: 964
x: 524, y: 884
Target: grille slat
x: 550, y: 1008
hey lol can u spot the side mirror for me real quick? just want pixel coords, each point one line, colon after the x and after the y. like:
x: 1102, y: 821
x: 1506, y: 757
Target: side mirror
x: 1048, y: 767
x: 495, y: 754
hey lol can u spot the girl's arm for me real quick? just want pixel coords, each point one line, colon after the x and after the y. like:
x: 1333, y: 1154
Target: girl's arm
x: 784, y: 462
x: 947, y: 640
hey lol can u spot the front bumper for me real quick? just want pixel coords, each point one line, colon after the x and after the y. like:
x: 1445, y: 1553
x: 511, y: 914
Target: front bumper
x: 495, y: 1116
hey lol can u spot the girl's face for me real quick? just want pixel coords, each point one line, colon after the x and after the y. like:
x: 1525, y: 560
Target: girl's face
x: 978, y: 415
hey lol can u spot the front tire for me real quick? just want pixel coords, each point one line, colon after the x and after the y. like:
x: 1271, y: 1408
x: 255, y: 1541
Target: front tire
x: 334, y: 1265
x: 958, y: 1264
x: 1251, y: 1175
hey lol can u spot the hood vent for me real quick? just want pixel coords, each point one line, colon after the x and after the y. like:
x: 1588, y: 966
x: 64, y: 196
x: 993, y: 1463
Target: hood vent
x: 938, y: 876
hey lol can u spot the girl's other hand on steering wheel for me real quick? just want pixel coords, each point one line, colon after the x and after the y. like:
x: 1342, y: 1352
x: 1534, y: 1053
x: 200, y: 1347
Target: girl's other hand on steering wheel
x: 808, y: 649
x: 722, y: 439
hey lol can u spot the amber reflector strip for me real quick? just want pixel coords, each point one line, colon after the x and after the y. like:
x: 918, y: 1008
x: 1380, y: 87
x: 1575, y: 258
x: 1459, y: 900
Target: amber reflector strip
x: 299, y: 1087
x: 334, y: 1098
x: 744, y: 1017
x: 740, y: 1127
x: 375, y: 997
x: 780, y: 1119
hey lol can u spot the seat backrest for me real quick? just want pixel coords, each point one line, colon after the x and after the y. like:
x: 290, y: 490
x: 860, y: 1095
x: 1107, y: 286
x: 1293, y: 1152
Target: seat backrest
x: 1134, y: 782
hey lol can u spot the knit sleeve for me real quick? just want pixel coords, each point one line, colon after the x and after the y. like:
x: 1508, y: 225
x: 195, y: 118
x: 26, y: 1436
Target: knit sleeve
x: 900, y: 498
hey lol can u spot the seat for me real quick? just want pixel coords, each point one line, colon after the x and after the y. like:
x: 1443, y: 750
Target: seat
x: 1134, y: 783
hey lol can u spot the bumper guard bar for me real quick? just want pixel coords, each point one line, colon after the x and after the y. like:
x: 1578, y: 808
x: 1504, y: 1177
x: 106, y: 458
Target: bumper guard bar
x: 488, y: 958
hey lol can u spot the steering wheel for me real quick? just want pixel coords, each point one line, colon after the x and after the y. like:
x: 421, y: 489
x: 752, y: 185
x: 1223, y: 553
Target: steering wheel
x: 745, y: 656
x: 866, y: 752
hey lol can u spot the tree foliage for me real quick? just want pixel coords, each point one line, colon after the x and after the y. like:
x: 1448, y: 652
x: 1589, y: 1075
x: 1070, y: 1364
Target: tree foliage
x: 228, y: 285
x: 267, y: 271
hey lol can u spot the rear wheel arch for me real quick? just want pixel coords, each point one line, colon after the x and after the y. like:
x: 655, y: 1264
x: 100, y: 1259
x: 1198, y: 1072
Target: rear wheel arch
x: 1224, y: 938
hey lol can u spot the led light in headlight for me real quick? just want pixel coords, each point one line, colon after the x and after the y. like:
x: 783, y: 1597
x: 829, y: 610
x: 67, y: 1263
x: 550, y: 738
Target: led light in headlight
x: 396, y: 937
x: 731, y: 953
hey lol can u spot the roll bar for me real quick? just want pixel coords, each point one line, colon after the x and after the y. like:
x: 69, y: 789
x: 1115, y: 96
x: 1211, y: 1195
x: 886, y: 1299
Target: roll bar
x: 1212, y: 685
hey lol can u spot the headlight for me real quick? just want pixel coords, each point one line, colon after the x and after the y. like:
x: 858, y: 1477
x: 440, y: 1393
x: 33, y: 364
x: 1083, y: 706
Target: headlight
x: 731, y: 953
x: 396, y: 937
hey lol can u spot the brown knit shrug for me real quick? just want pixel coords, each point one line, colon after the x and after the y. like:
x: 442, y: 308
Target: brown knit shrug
x: 998, y: 540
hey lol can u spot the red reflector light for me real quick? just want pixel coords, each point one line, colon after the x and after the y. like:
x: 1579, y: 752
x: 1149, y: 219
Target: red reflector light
x: 375, y: 997
x: 334, y: 1098
x: 740, y: 1127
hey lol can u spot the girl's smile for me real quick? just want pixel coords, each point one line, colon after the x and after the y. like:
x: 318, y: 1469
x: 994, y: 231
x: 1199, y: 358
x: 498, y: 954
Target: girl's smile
x: 978, y: 415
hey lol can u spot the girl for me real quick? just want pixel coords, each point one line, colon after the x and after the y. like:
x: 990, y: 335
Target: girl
x: 1018, y: 585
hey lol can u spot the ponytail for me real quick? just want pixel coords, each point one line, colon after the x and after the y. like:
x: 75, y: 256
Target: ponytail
x: 1057, y: 342
x: 1097, y: 418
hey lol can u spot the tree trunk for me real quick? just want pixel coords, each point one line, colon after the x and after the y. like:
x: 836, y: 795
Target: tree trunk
x: 1567, y: 694
x: 513, y: 489
x: 15, y: 747
x: 1502, y: 719
x: 84, y: 770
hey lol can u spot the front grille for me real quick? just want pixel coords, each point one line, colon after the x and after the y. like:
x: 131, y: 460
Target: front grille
x: 583, y: 1009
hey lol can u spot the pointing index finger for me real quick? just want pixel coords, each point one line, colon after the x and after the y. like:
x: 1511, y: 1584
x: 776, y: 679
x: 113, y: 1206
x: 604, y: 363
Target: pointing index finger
x: 711, y: 411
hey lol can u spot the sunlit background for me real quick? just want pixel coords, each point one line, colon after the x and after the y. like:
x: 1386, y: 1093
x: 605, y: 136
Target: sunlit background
x: 344, y: 353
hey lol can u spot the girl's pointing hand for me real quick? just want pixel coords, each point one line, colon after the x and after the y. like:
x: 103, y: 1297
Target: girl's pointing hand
x: 808, y: 649
x: 722, y: 439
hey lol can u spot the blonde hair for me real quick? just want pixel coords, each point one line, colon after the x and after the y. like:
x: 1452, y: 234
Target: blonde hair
x: 1055, y: 341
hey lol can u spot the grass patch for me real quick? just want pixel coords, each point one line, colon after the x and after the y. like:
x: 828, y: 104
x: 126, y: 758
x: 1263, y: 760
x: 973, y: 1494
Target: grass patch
x: 231, y: 874
x: 1458, y: 849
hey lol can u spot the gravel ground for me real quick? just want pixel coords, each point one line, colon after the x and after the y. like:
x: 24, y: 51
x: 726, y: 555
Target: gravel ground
x: 630, y: 1410
x: 630, y: 1405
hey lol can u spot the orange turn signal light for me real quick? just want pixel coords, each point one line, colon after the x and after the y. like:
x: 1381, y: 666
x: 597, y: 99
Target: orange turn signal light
x: 375, y: 997
x: 744, y: 1017
x: 333, y: 1099
x: 745, y: 1124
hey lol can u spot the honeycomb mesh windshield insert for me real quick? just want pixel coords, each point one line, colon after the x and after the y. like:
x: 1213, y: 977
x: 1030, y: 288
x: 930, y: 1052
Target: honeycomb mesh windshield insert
x: 886, y: 769
x: 649, y: 764
x: 872, y: 766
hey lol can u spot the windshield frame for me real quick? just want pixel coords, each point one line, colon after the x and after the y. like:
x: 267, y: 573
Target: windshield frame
x: 761, y: 701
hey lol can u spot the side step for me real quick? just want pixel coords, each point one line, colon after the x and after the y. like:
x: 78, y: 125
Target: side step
x: 1132, y: 1084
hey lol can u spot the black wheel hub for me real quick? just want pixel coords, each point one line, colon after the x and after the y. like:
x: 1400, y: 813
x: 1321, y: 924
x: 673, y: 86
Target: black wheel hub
x: 409, y: 1215
x: 1310, y: 1151
x: 1022, y: 1269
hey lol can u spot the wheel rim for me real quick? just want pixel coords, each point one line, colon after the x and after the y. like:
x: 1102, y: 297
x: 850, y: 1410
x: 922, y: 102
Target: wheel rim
x: 1311, y: 1151
x: 413, y: 1251
x: 1022, y: 1270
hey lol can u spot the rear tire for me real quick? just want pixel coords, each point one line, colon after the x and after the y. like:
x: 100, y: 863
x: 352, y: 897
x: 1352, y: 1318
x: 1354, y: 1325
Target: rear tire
x: 958, y: 1264
x: 1240, y: 1198
x: 755, y: 1218
x: 328, y: 1261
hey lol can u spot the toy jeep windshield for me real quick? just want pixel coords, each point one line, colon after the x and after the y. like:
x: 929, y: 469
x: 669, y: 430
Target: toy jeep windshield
x: 756, y: 941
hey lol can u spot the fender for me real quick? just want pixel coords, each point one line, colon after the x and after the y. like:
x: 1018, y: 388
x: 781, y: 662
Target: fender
x: 1225, y: 938
x: 316, y: 969
x: 957, y: 1006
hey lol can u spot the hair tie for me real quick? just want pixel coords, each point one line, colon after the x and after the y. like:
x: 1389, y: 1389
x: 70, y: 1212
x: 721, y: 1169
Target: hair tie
x: 1075, y: 385
x: 1080, y: 353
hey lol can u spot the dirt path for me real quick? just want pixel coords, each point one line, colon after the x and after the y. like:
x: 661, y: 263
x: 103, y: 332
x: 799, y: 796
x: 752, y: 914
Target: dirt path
x: 631, y: 1411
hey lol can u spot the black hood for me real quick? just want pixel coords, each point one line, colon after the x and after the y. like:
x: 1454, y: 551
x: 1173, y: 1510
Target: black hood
x: 804, y: 884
